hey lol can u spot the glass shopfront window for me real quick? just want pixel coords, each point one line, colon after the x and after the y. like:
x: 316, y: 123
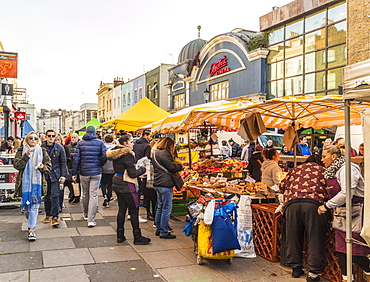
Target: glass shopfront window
x: 179, y: 101
x: 303, y: 54
x: 219, y: 91
x: 276, y: 53
x: 294, y: 47
x: 294, y: 29
x: 337, y: 13
x: 337, y: 33
x: 315, y: 21
x: 276, y: 35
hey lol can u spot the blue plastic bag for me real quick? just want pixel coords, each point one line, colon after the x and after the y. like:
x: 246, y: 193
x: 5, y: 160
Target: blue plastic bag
x: 224, y: 232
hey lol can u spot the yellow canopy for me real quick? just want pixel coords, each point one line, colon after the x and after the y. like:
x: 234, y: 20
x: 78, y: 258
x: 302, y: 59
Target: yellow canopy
x: 142, y: 113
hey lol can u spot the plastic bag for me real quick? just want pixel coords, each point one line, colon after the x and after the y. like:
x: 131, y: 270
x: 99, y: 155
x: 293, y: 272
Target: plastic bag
x: 209, y: 212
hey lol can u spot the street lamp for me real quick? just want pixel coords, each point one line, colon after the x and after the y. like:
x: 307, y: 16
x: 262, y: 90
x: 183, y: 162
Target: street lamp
x: 206, y: 95
x: 60, y: 120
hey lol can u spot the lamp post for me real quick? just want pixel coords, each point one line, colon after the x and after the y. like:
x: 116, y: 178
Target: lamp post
x: 206, y: 95
x: 60, y: 120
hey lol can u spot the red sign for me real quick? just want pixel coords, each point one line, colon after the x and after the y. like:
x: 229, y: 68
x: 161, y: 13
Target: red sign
x: 18, y: 115
x: 8, y: 64
x: 218, y: 68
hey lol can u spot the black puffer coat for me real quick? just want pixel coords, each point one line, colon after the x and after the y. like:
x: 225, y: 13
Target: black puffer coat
x: 123, y: 159
x: 165, y: 159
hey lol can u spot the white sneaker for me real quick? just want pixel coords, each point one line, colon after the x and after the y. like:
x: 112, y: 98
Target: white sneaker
x: 142, y: 219
x: 85, y: 217
x: 91, y: 224
x: 128, y: 217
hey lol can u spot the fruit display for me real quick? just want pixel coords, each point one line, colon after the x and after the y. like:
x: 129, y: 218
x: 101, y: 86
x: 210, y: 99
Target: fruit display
x: 214, y: 166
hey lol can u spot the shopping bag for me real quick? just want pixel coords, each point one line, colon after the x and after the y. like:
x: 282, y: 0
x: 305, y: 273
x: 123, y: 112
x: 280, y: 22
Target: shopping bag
x: 205, y: 244
x: 127, y: 178
x: 224, y: 233
x: 76, y: 189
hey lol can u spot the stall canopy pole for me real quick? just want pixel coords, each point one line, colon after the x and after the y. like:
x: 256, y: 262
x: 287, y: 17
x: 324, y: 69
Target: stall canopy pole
x: 349, y: 240
x: 189, y: 147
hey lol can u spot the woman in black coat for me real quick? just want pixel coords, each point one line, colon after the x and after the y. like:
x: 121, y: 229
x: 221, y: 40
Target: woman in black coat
x: 164, y: 165
x: 126, y: 187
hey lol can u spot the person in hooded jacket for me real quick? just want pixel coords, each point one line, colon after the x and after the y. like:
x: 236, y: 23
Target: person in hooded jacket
x: 126, y: 188
x: 271, y: 172
x: 107, y: 173
x: 164, y: 165
x: 255, y: 163
x: 89, y: 158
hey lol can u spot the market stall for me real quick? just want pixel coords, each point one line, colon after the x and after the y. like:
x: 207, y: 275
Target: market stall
x: 8, y: 175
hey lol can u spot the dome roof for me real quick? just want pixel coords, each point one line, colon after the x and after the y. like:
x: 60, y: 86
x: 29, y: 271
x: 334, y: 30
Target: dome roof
x: 189, y: 51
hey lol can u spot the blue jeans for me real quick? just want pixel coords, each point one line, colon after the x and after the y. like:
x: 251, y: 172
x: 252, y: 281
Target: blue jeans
x: 164, y: 208
x: 31, y: 215
x: 52, y: 203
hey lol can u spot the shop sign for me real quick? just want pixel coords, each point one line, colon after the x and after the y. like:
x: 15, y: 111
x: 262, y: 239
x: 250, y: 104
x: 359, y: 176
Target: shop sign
x: 8, y: 64
x: 219, y: 67
x: 7, y: 89
x: 8, y: 177
x: 18, y: 115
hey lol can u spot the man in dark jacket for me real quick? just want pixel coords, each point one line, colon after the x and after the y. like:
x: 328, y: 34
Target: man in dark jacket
x: 142, y: 149
x: 236, y: 150
x: 89, y: 158
x: 56, y: 177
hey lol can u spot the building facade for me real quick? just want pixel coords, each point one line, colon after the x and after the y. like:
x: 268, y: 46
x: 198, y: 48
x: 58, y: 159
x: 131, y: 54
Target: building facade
x: 138, y: 89
x: 155, y: 81
x: 308, y: 48
x: 117, y: 97
x: 126, y: 100
x: 221, y: 68
x: 105, y: 101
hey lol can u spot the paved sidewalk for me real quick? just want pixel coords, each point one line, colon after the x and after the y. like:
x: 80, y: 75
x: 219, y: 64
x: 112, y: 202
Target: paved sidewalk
x: 77, y: 253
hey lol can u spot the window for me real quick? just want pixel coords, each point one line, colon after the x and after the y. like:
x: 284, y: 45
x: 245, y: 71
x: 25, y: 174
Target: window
x: 140, y: 93
x: 129, y: 98
x: 114, y: 103
x: 118, y: 103
x: 219, y: 91
x: 135, y: 96
x: 124, y: 100
x: 179, y: 101
x: 307, y: 55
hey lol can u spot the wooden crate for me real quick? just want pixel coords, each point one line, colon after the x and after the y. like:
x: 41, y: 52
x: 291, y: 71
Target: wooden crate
x: 267, y: 231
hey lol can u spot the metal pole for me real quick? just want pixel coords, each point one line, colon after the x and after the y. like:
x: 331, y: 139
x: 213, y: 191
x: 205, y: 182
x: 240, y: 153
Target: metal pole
x: 189, y: 148
x: 349, y: 240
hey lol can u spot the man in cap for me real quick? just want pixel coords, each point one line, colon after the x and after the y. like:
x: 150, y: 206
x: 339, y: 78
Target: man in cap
x: 89, y: 159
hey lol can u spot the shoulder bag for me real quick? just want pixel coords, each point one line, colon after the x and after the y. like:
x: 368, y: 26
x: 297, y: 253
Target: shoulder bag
x: 176, y: 177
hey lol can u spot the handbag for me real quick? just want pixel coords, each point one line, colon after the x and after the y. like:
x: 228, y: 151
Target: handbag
x: 76, y: 189
x: 339, y: 219
x: 224, y: 233
x: 176, y: 177
x: 127, y: 178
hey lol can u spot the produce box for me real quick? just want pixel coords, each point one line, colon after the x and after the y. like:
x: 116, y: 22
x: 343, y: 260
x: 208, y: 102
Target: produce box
x: 179, y: 206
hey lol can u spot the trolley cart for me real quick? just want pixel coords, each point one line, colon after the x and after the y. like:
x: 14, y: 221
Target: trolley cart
x: 8, y: 176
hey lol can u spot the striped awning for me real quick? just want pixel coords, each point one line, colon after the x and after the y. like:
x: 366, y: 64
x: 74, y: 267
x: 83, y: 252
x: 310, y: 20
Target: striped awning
x: 304, y: 111
x: 178, y: 122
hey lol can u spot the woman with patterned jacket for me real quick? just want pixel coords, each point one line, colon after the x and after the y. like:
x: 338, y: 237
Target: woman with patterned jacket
x: 126, y: 187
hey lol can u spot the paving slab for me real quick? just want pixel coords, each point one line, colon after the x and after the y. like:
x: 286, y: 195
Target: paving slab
x: 56, y: 232
x: 108, y: 212
x: 7, y: 226
x: 116, y: 253
x: 14, y: 247
x: 40, y: 225
x: 83, y: 223
x: 96, y: 241
x: 73, y: 210
x: 20, y: 261
x: 79, y: 216
x: 135, y: 270
x: 157, y: 244
x: 52, y: 244
x: 97, y: 230
x: 169, y: 258
x: 67, y: 257
x: 18, y: 276
x: 110, y: 218
x: 16, y: 235
x: 193, y: 273
x: 76, y: 273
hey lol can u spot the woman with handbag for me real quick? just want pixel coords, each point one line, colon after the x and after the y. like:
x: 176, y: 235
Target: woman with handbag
x: 33, y: 163
x: 166, y: 176
x: 332, y: 157
x: 126, y: 187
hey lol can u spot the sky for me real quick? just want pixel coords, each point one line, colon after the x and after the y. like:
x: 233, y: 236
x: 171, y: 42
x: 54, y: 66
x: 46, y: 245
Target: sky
x: 66, y: 47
